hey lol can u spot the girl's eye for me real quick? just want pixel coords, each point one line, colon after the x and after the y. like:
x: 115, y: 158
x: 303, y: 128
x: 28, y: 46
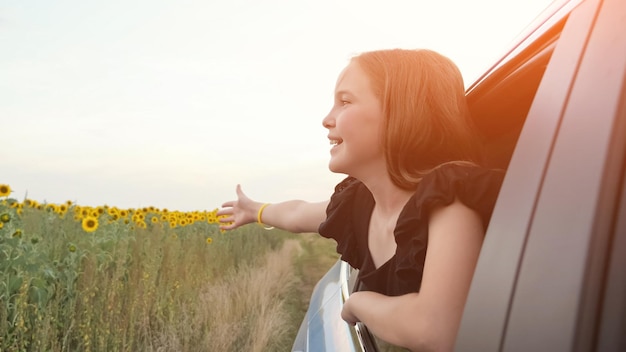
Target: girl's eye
x: 344, y: 102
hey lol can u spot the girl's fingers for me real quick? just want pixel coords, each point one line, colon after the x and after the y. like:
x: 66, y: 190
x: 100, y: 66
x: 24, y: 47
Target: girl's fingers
x: 229, y: 204
x: 226, y: 211
x: 230, y: 219
x: 228, y: 227
x: 227, y: 218
x: 239, y: 192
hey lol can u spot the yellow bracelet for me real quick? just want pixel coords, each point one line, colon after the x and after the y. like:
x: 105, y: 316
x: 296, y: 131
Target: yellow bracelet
x: 258, y: 217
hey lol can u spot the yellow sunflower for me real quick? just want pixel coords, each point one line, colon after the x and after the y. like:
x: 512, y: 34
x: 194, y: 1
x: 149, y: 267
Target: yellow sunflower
x: 209, y: 240
x: 90, y: 224
x: 112, y: 211
x: 5, y: 190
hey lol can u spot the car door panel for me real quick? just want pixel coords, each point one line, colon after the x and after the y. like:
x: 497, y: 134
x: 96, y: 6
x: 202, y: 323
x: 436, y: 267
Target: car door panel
x: 612, y: 325
x: 494, y: 281
x: 561, y: 274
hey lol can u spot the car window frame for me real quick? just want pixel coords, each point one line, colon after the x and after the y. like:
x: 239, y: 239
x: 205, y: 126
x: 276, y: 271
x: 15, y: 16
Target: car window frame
x: 612, y: 323
x: 569, y: 238
x: 496, y: 271
x: 515, y: 244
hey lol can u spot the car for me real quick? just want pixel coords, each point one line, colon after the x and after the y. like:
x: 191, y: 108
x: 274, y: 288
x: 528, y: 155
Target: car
x: 551, y: 275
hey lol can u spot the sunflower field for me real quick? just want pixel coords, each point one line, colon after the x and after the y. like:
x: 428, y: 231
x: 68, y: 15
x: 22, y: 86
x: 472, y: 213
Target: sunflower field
x: 81, y: 278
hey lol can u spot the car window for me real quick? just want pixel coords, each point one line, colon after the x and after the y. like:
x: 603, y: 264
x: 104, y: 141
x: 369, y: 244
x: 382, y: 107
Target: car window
x: 500, y: 103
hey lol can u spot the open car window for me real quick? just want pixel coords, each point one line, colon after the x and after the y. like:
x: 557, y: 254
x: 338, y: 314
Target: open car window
x: 500, y: 104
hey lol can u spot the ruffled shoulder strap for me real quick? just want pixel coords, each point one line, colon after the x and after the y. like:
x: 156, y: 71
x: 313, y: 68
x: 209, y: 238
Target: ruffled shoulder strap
x: 341, y: 219
x: 474, y: 186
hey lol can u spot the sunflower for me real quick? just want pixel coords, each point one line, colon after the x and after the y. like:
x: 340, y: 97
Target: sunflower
x: 5, y: 217
x: 209, y: 240
x: 90, y: 224
x: 112, y: 211
x: 5, y: 190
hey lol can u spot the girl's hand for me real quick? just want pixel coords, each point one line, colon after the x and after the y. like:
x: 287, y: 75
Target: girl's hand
x: 238, y: 212
x: 347, y: 313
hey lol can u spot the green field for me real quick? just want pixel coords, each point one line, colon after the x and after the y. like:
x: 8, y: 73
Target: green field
x: 104, y: 279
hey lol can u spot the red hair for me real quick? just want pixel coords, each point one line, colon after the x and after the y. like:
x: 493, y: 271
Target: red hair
x: 426, y: 118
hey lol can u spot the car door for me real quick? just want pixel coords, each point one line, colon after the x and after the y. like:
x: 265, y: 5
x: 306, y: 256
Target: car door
x: 544, y: 273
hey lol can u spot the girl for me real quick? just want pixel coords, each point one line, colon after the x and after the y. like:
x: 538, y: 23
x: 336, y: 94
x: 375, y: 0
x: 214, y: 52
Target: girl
x: 412, y: 212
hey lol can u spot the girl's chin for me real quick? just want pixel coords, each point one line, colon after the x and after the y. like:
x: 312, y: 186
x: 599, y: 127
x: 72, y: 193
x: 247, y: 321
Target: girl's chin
x: 334, y: 167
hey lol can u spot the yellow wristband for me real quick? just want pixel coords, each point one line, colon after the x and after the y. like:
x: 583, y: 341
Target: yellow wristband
x: 260, y: 213
x: 259, y: 220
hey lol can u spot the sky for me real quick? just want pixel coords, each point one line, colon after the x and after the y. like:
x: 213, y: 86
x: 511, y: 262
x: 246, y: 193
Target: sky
x: 172, y: 103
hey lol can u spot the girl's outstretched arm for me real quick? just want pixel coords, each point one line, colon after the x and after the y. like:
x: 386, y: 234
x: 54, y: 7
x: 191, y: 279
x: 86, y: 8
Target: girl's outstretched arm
x: 428, y: 320
x: 292, y: 215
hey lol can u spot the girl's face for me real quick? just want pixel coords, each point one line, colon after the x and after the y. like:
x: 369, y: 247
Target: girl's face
x: 354, y: 126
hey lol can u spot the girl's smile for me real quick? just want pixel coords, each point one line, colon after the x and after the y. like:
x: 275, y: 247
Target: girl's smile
x: 354, y: 124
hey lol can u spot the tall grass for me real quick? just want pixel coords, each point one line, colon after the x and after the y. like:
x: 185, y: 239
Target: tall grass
x: 123, y: 288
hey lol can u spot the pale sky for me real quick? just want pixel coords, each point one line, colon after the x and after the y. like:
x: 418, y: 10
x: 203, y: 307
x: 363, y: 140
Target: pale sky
x: 172, y: 103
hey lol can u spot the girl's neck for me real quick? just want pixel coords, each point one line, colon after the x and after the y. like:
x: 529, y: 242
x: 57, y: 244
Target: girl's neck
x: 389, y: 198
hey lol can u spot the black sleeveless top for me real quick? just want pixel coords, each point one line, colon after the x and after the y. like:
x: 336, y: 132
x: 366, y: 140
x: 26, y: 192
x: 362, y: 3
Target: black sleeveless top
x: 351, y: 205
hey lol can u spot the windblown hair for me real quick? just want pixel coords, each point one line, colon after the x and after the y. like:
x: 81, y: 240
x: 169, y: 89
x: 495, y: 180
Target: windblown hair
x: 426, y: 118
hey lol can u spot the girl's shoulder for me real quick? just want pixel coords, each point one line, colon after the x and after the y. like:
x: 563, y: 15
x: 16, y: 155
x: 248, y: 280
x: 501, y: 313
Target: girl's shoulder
x: 475, y: 186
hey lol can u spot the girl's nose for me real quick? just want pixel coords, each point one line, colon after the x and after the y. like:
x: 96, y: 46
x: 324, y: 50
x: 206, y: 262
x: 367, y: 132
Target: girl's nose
x: 328, y: 121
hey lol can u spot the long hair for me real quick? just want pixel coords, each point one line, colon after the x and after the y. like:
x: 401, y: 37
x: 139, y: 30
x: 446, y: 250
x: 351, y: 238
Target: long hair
x: 426, y: 118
